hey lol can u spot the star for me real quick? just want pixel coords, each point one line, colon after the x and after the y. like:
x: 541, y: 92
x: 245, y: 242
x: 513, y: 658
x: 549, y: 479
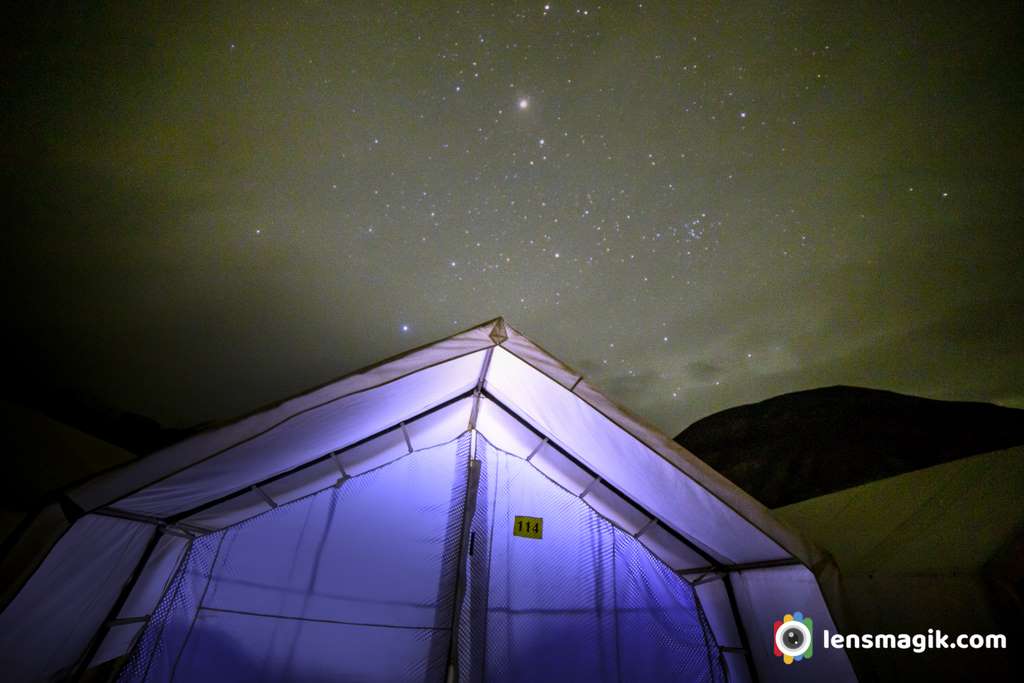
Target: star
x: 524, y: 103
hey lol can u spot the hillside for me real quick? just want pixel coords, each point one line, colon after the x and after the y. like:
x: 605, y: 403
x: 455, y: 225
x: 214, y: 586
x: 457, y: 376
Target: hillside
x: 809, y: 443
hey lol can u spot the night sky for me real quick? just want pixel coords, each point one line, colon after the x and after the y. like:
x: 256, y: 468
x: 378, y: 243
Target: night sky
x: 696, y: 205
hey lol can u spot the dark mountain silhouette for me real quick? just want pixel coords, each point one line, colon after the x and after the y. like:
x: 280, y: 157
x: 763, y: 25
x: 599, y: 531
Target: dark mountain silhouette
x: 809, y: 443
x: 58, y: 433
x: 137, y: 434
x: 38, y: 385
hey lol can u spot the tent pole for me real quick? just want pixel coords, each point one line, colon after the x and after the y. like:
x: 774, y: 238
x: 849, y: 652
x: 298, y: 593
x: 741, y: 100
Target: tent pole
x: 743, y: 566
x: 94, y: 645
x: 468, y: 511
x: 484, y: 367
x: 741, y: 630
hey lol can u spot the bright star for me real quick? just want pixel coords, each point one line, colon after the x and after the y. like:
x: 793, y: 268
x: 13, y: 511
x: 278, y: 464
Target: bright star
x: 524, y: 103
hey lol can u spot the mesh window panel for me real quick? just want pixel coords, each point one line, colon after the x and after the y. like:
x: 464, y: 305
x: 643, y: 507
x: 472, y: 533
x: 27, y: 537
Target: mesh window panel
x: 353, y: 583
x: 165, y: 633
x: 585, y: 602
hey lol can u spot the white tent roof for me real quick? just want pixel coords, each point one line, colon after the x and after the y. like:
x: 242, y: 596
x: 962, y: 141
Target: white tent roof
x: 554, y: 399
x: 743, y: 561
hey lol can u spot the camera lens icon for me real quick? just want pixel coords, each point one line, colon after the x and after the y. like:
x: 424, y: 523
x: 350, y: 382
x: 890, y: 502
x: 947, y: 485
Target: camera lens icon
x: 793, y: 638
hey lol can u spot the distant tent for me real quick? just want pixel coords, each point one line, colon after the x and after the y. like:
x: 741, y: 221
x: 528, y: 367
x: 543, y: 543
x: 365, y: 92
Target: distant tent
x: 470, y: 510
x: 921, y: 551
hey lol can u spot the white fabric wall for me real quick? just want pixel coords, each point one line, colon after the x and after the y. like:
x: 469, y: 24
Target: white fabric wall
x: 585, y: 602
x: 351, y: 583
x: 48, y: 626
x: 357, y: 583
x: 766, y: 595
x: 30, y: 549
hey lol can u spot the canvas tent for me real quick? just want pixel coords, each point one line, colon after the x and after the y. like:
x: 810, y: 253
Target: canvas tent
x: 373, y: 529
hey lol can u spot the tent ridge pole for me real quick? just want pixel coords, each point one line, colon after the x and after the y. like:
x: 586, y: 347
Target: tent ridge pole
x: 707, y: 577
x: 129, y: 620
x: 337, y: 461
x: 536, y: 449
x: 168, y: 527
x: 131, y: 516
x: 405, y: 435
x: 265, y: 496
x: 484, y: 367
x: 642, y: 530
x: 743, y: 566
x: 590, y: 487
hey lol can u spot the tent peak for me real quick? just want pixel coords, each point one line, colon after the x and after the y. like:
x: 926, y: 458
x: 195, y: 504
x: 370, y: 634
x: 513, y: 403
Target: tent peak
x: 498, y: 332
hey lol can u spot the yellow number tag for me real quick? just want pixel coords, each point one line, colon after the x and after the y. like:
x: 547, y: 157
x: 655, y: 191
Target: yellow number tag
x: 528, y: 527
